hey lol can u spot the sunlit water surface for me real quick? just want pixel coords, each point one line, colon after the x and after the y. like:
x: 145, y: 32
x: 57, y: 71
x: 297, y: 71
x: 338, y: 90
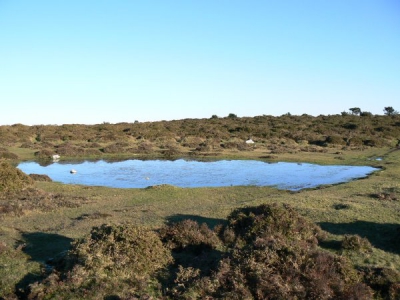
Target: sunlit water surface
x: 191, y: 173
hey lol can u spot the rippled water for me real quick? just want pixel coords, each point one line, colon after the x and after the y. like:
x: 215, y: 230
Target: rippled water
x: 190, y: 173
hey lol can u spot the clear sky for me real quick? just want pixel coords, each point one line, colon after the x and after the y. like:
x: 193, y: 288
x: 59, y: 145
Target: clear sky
x: 95, y: 61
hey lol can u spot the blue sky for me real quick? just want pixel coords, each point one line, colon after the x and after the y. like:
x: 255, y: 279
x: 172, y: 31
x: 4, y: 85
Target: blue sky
x: 89, y: 62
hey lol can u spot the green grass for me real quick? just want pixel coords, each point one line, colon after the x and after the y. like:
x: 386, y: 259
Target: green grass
x: 350, y: 208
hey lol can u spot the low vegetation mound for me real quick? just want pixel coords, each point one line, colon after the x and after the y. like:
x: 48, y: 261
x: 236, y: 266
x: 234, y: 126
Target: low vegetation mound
x: 356, y: 243
x: 16, y: 204
x: 252, y: 223
x: 17, y: 193
x: 12, y: 179
x: 273, y: 254
x: 5, y: 154
x: 162, y: 187
x: 189, y: 233
x: 111, y: 260
x: 40, y: 177
x: 384, y: 281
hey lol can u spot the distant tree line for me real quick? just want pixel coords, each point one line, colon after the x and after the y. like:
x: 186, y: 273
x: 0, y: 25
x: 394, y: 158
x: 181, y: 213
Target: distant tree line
x: 356, y: 111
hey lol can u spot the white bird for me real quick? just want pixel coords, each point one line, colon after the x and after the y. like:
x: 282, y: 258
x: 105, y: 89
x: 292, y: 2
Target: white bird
x: 72, y: 171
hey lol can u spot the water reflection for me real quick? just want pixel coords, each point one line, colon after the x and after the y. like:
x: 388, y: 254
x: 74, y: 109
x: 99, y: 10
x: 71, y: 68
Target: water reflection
x: 191, y: 173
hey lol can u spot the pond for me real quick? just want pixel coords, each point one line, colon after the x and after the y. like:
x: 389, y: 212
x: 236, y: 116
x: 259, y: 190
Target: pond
x: 190, y: 173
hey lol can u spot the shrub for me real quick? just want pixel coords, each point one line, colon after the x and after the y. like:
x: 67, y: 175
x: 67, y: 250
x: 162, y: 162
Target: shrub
x: 373, y: 142
x: 355, y: 141
x: 188, y: 233
x: 384, y: 281
x: 356, y: 243
x: 170, y: 150
x: 93, y: 152
x: 114, y: 148
x: 8, y: 155
x: 129, y: 250
x: 145, y: 147
x: 250, y: 222
x: 335, y: 139
x: 274, y: 256
x: 30, y: 198
x: 191, y: 141
x: 111, y: 260
x: 204, y: 147
x: 232, y: 116
x: 350, y: 126
x: 67, y: 149
x: 234, y: 143
x: 44, y: 154
x: 13, y: 179
x: 366, y: 114
x: 40, y: 177
x: 28, y: 145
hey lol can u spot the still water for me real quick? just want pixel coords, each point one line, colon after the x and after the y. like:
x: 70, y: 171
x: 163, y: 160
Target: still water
x: 191, y: 173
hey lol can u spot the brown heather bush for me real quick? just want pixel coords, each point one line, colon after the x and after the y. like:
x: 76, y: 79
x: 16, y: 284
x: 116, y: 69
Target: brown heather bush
x: 12, y: 179
x: 28, y: 145
x: 40, y: 177
x: 248, y: 223
x: 355, y: 141
x: 384, y: 281
x: 17, y: 202
x: 170, y: 150
x: 356, y: 243
x: 93, y: 145
x: 187, y: 233
x: 68, y: 149
x: 111, y: 260
x: 191, y: 141
x: 124, y: 250
x: 93, y: 152
x: 335, y: 139
x: 17, y: 194
x: 273, y: 255
x: 44, y: 154
x: 196, y: 250
x: 373, y: 142
x: 263, y: 252
x: 5, y: 154
x: 114, y: 148
x: 145, y: 147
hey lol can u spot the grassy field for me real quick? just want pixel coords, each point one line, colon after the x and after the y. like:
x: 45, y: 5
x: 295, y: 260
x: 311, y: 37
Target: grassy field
x: 363, y: 207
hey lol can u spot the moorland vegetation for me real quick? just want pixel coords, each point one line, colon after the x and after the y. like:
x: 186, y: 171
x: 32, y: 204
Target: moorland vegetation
x: 198, y: 137
x: 76, y: 242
